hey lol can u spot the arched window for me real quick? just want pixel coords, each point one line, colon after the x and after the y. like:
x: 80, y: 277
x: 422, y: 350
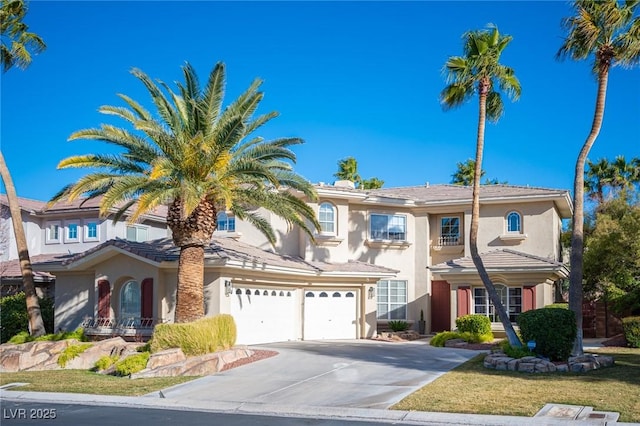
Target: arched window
x: 327, y: 218
x: 130, y: 300
x: 226, y: 222
x: 514, y: 222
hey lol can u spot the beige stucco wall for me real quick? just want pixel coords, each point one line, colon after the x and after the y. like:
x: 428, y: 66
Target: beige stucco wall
x: 74, y: 299
x: 539, y: 224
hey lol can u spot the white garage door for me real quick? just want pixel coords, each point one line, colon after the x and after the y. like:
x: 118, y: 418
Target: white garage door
x: 264, y: 315
x: 330, y: 314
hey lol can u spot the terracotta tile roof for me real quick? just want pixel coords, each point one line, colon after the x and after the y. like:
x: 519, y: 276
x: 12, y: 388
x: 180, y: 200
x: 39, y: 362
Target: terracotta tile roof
x: 11, y: 268
x: 228, y: 249
x: 503, y: 259
x: 434, y: 193
x: 40, y: 207
x: 25, y: 203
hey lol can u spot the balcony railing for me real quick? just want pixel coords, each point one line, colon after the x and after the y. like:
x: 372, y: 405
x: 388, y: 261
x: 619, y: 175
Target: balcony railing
x: 449, y: 241
x: 129, y: 326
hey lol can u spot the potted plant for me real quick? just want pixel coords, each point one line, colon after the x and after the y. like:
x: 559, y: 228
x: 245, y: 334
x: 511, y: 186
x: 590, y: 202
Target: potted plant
x: 422, y: 323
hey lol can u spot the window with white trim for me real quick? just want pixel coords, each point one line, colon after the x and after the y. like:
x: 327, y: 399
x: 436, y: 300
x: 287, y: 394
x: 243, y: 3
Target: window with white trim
x: 514, y: 222
x: 327, y: 218
x: 72, y: 232
x: 91, y: 230
x: 137, y: 233
x: 449, y: 231
x: 226, y: 222
x: 388, y: 227
x: 511, y: 298
x: 53, y: 232
x: 392, y: 299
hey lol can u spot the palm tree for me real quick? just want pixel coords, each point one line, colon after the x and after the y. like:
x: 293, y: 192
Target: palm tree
x: 623, y: 174
x: 607, y: 32
x: 36, y: 324
x: 479, y: 71
x: 20, y: 43
x: 465, y: 172
x: 348, y: 170
x: 373, y: 183
x: 17, y: 52
x: 197, y: 158
x: 598, y: 178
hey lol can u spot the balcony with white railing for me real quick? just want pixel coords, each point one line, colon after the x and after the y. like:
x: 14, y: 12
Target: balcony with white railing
x: 132, y: 327
x: 448, y: 244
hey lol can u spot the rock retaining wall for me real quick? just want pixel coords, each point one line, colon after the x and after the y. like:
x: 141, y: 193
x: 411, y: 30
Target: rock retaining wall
x: 532, y: 364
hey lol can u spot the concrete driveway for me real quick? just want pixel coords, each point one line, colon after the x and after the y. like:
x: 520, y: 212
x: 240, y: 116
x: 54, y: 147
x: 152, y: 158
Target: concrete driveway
x: 339, y: 373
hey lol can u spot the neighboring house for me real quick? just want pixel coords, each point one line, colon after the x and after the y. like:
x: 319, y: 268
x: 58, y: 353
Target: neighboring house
x: 64, y: 229
x: 381, y: 255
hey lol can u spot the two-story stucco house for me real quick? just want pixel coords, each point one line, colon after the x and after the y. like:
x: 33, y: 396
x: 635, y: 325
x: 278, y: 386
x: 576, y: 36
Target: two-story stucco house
x: 381, y: 255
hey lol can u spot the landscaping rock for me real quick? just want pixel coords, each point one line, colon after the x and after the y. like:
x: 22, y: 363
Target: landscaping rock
x: 532, y: 364
x: 452, y: 343
x: 87, y: 359
x: 166, y: 357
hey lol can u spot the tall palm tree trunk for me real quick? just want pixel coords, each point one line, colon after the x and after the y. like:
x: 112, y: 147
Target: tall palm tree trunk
x: 190, y: 292
x: 577, y: 235
x: 36, y: 325
x: 475, y: 221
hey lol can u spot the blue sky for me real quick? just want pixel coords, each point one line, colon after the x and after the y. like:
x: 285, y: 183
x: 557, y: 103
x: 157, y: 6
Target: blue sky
x: 355, y: 79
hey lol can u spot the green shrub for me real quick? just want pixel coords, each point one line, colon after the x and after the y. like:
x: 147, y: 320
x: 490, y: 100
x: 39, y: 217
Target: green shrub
x: 132, y: 364
x: 474, y: 323
x: 105, y: 362
x: 70, y: 352
x: 398, y: 325
x: 553, y: 330
x: 144, y: 348
x: 440, y: 339
x: 14, y: 317
x: 631, y: 328
x: 558, y: 305
x: 200, y: 337
x: 514, y: 352
x: 24, y: 337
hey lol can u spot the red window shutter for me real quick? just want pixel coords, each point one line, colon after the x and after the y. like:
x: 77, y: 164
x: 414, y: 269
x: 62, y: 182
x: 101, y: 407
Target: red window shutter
x: 104, y: 299
x: 528, y: 298
x: 464, y: 307
x: 147, y: 298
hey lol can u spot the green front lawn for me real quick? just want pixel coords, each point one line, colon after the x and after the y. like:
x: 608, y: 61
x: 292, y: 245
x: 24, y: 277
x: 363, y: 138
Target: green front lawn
x: 471, y: 388
x: 83, y: 381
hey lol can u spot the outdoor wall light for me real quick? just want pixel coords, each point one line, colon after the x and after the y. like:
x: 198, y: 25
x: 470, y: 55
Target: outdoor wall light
x: 227, y: 288
x: 372, y: 292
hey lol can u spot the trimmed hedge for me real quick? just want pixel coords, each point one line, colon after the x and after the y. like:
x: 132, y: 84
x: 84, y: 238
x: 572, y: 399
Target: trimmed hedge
x: 14, y: 318
x: 200, y: 337
x: 553, y: 330
x: 631, y: 328
x: 474, y: 323
x: 558, y: 305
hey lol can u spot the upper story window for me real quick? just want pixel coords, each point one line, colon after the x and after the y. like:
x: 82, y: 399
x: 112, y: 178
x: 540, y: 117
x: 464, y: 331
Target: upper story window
x: 72, y: 233
x: 449, y: 231
x: 388, y: 227
x: 53, y: 232
x: 226, y: 222
x: 327, y: 218
x: 137, y: 233
x: 91, y: 231
x: 514, y: 222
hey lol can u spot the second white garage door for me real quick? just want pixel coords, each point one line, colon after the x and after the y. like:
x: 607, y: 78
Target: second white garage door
x: 264, y: 315
x: 330, y: 314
